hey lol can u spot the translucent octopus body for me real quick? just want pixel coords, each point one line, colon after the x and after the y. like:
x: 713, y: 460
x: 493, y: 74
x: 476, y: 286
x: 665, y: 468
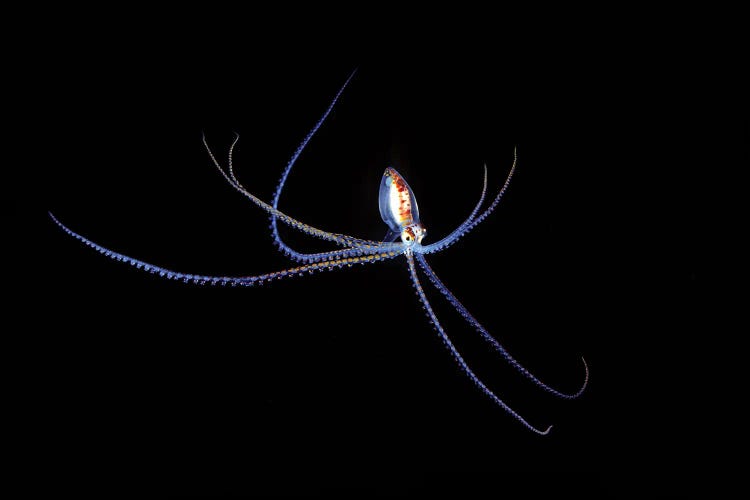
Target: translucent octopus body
x: 398, y: 208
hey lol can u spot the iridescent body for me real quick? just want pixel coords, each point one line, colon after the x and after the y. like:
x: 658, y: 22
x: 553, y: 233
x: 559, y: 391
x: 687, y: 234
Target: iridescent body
x: 398, y: 209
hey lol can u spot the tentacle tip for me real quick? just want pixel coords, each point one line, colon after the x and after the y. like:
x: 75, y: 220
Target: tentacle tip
x: 585, y: 381
x: 586, y: 369
x: 54, y: 219
x: 546, y: 431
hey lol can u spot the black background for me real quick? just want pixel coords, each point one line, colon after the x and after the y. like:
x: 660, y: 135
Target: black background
x: 336, y: 383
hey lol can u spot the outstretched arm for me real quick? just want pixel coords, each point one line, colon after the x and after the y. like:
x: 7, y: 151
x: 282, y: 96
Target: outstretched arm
x: 459, y: 359
x: 227, y: 280
x: 278, y: 241
x: 471, y: 222
x: 489, y: 338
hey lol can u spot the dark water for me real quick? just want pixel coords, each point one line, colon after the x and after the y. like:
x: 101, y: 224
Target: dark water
x: 336, y: 383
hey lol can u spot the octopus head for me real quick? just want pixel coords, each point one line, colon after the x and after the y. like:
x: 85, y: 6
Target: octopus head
x: 413, y: 233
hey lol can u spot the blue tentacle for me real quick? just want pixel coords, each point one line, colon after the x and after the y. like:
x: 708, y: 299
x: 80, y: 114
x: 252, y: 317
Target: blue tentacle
x: 230, y: 166
x: 469, y: 219
x: 343, y: 253
x: 459, y: 359
x: 340, y: 239
x: 308, y: 257
x: 278, y: 241
x: 470, y: 223
x: 489, y: 338
x: 481, y: 199
x: 227, y: 280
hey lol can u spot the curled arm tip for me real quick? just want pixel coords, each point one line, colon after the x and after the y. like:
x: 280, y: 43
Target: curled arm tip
x: 586, y: 376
